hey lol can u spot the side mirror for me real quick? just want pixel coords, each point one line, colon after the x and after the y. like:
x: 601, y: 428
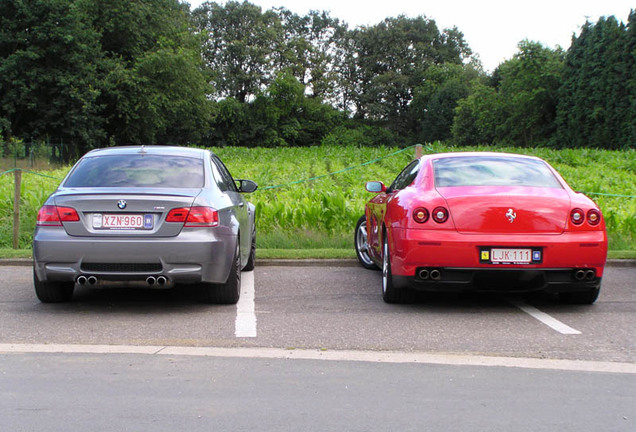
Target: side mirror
x: 375, y: 187
x: 246, y: 186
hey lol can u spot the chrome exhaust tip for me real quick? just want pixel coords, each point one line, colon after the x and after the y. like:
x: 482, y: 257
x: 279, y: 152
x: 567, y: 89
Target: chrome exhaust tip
x: 436, y: 274
x: 150, y: 280
x: 423, y: 274
x: 92, y: 280
x: 579, y: 275
x: 162, y: 280
x: 81, y: 280
x: 590, y: 275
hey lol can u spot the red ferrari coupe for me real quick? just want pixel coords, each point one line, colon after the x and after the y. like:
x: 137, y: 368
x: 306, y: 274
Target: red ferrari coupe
x: 482, y: 221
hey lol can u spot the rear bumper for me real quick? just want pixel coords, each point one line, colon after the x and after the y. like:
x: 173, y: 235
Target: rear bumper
x: 195, y: 255
x: 501, y: 280
x: 457, y: 259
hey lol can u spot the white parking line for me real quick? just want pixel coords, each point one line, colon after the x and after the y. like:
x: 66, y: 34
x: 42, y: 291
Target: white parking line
x: 546, y: 319
x: 245, y: 324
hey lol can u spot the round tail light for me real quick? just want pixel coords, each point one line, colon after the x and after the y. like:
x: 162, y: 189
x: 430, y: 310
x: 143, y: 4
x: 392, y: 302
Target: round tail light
x: 577, y: 216
x: 440, y: 215
x: 593, y: 217
x: 420, y: 215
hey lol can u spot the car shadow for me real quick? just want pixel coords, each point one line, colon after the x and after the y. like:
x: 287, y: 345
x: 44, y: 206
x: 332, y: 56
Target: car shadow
x: 468, y: 301
x: 181, y: 298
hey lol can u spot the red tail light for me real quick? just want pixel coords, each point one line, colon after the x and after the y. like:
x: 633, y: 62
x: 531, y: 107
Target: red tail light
x: 420, y: 215
x: 593, y: 217
x: 440, y: 215
x: 202, y: 216
x: 577, y: 216
x: 178, y: 215
x: 67, y: 214
x: 50, y: 215
x: 194, y: 216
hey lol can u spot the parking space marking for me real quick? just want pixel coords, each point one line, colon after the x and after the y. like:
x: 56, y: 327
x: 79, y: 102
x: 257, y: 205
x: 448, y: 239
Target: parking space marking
x: 245, y: 324
x: 546, y: 319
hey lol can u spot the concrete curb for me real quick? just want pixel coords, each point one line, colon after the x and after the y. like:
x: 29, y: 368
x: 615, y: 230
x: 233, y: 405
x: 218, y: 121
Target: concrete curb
x: 345, y: 262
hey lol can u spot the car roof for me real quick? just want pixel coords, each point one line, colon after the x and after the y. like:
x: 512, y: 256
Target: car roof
x: 150, y: 149
x: 479, y: 154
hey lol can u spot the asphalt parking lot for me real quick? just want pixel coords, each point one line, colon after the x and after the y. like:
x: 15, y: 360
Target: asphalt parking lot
x: 329, y: 308
x: 311, y: 348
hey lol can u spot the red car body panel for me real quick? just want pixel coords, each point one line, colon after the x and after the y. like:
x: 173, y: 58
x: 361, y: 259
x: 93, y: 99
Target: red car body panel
x: 478, y: 220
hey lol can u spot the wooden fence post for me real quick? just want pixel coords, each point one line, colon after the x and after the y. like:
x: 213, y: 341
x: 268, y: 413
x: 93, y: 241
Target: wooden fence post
x: 418, y: 151
x: 17, y: 173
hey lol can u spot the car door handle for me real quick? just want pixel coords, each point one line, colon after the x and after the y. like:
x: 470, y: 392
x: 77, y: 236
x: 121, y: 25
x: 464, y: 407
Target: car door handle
x: 241, y: 205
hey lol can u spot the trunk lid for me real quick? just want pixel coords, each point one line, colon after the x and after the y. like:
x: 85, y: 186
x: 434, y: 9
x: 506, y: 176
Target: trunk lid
x: 124, y: 212
x: 507, y: 210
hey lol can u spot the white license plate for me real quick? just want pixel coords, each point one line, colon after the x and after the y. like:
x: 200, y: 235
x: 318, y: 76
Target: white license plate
x: 122, y: 221
x: 516, y: 256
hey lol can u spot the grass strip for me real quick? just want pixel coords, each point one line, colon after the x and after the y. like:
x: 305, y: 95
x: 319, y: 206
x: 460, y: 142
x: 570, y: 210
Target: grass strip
x: 8, y: 253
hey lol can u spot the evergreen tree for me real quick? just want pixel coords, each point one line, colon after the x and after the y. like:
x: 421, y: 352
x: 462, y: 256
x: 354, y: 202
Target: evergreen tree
x: 596, y: 99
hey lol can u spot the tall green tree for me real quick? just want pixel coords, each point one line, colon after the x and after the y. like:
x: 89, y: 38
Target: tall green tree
x: 50, y: 62
x: 90, y: 73
x: 630, y: 56
x: 282, y: 115
x: 478, y: 116
x: 528, y: 88
x: 435, y: 100
x: 517, y: 105
x: 596, y: 104
x: 155, y: 82
x: 238, y: 41
x: 308, y: 50
x: 392, y: 58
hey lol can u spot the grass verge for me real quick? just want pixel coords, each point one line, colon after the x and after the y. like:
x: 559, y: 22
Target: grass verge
x: 333, y: 253
x: 305, y: 253
x: 621, y: 254
x: 7, y: 253
x: 328, y: 253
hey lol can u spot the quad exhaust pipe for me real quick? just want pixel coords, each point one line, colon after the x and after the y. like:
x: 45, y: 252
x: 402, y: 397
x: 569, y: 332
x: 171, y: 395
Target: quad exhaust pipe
x: 433, y: 274
x: 150, y: 280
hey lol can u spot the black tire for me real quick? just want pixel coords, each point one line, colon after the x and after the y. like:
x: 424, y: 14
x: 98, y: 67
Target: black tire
x: 390, y: 293
x: 52, y: 292
x: 362, y: 246
x: 230, y: 291
x: 587, y: 297
x: 251, y: 260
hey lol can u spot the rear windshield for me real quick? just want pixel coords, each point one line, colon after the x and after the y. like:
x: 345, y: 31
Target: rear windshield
x: 493, y: 171
x: 143, y: 171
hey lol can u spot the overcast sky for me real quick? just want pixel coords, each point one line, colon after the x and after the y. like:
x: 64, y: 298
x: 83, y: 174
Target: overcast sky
x: 492, y: 28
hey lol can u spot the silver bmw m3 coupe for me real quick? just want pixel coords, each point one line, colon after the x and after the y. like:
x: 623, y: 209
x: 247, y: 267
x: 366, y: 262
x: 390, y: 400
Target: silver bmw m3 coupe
x: 152, y: 216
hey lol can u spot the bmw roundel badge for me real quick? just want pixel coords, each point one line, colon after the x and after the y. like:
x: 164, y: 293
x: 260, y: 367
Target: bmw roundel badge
x: 121, y: 204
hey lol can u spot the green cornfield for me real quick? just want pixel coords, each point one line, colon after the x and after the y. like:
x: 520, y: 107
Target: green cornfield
x: 301, y: 205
